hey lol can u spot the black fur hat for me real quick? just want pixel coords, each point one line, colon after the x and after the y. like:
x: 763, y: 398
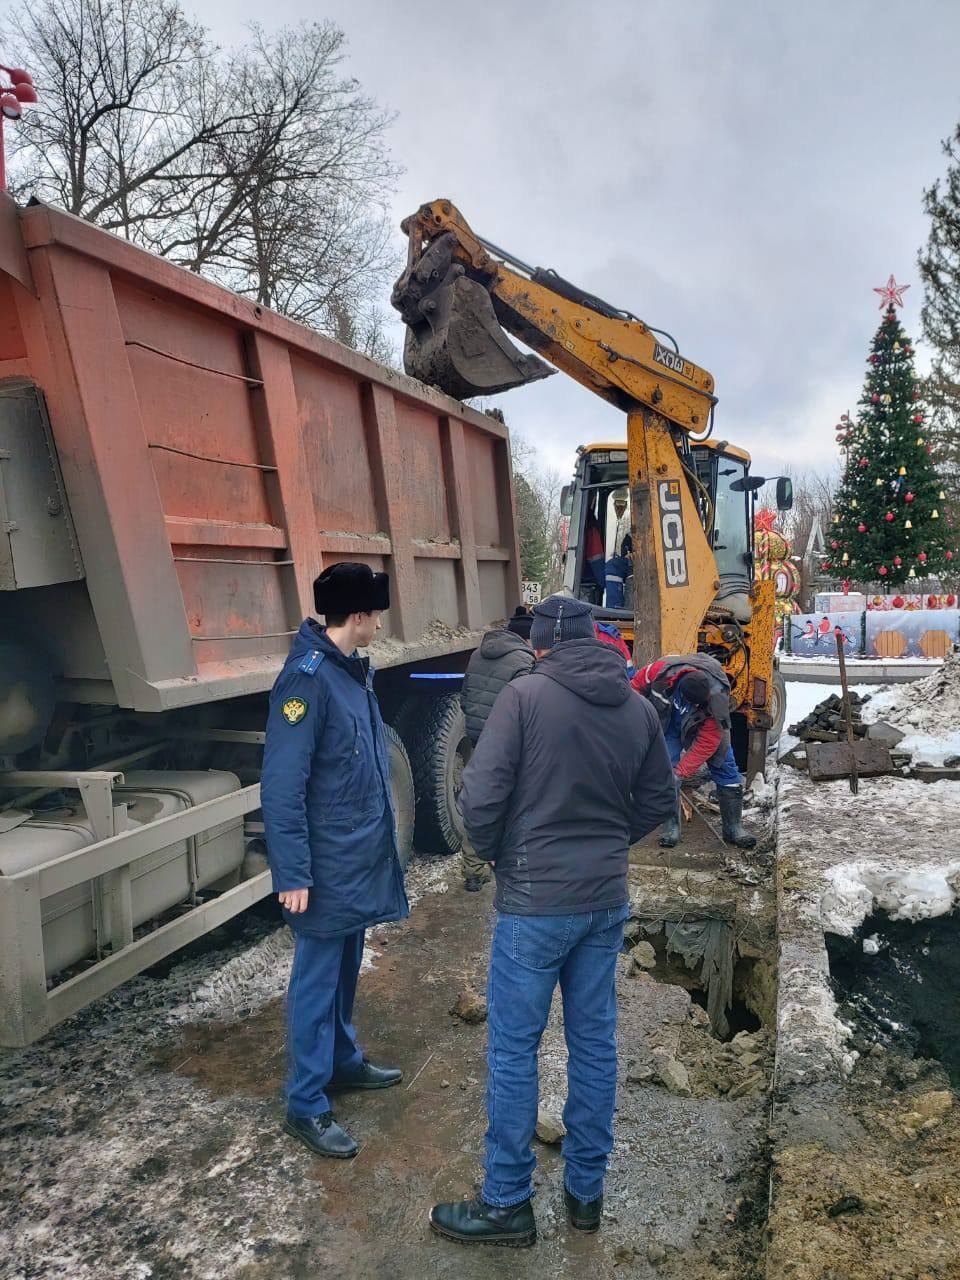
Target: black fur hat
x: 350, y: 588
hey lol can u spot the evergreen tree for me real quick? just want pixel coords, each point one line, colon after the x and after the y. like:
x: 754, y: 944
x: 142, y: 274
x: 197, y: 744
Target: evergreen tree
x: 939, y: 264
x: 531, y: 531
x: 888, y: 525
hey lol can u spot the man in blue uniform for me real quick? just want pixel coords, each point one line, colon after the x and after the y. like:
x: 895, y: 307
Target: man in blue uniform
x: 331, y: 843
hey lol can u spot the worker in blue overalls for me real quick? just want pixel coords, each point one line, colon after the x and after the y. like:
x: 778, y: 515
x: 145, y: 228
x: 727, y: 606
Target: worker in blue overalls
x: 691, y: 693
x: 331, y: 843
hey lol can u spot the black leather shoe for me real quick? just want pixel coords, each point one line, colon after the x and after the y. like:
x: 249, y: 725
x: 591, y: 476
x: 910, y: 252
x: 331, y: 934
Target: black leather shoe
x: 368, y: 1077
x: 476, y: 1222
x: 474, y: 884
x: 585, y: 1215
x: 322, y: 1135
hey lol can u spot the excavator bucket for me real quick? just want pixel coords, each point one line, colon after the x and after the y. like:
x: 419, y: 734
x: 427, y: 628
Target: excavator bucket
x: 454, y: 341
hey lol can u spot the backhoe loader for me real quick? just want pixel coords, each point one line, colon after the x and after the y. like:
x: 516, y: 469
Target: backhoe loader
x: 691, y: 498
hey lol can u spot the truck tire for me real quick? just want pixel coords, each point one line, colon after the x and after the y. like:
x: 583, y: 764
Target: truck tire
x: 434, y: 732
x: 778, y: 708
x: 402, y: 794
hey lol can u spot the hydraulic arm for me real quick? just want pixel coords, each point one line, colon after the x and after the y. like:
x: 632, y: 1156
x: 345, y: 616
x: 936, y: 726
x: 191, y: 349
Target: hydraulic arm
x: 457, y: 296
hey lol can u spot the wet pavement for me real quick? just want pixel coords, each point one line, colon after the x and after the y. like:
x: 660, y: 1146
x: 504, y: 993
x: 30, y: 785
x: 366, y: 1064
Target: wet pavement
x: 143, y: 1139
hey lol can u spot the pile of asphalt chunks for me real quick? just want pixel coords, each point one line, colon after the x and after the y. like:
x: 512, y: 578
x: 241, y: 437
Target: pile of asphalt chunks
x: 825, y: 723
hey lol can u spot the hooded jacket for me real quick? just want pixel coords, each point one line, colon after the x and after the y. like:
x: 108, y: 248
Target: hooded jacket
x: 502, y: 657
x: 570, y: 770
x: 325, y: 791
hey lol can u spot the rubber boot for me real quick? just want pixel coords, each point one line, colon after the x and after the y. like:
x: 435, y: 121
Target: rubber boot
x: 731, y: 818
x: 670, y: 831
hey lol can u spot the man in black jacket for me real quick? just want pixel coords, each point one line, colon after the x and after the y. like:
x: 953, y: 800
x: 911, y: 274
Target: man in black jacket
x: 570, y: 770
x: 504, y: 654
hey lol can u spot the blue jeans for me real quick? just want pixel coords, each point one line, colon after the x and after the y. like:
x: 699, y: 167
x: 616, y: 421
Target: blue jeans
x: 529, y: 955
x: 321, y: 1041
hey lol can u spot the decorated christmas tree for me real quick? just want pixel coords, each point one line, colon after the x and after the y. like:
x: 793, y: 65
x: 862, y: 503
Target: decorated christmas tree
x: 888, y: 524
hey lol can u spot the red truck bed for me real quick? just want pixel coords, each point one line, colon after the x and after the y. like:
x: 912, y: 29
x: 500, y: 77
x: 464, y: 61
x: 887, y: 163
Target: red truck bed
x: 214, y: 457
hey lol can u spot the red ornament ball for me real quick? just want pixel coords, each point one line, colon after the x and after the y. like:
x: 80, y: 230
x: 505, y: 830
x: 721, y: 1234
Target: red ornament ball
x: 825, y: 564
x: 898, y: 602
x: 864, y: 462
x: 949, y: 555
x: 908, y: 497
x: 888, y: 517
x: 875, y: 398
x: 861, y: 528
x: 834, y: 545
x: 922, y: 557
x: 918, y: 417
x: 882, y: 571
x: 897, y: 561
x: 951, y: 601
x: 929, y: 448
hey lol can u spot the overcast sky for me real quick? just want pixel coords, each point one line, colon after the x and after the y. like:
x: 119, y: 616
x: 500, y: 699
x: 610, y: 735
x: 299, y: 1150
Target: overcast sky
x: 739, y: 172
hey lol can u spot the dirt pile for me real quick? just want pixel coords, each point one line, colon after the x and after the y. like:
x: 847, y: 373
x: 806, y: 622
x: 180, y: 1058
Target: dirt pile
x: 877, y: 1196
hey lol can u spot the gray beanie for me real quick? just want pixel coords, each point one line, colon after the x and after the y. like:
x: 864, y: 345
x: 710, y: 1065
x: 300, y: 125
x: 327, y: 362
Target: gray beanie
x: 560, y: 618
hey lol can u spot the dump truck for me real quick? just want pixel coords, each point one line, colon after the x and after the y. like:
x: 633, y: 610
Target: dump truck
x: 177, y: 464
x: 691, y: 498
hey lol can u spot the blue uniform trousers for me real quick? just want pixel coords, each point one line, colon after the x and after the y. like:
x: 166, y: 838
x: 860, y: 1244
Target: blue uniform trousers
x: 321, y: 1041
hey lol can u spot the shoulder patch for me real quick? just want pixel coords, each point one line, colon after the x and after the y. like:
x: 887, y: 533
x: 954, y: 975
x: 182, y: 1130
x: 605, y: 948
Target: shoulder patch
x: 293, y: 710
x: 311, y: 662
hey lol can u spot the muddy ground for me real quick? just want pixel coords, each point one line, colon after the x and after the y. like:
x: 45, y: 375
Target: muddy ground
x: 142, y: 1139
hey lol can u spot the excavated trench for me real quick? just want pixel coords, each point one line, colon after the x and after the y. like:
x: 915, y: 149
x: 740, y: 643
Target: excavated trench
x: 899, y: 983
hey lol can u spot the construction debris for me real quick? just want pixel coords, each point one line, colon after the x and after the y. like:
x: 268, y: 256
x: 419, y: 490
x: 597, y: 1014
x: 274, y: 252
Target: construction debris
x: 470, y: 1006
x: 550, y: 1128
x: 825, y: 722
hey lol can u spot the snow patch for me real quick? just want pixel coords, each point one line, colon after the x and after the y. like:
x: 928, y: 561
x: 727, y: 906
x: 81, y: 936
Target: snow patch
x: 855, y: 890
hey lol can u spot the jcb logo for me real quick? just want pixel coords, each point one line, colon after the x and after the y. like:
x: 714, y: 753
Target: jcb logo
x: 671, y: 531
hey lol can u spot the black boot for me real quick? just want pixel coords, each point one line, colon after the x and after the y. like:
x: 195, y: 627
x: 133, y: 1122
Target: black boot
x: 368, y: 1077
x: 476, y: 1222
x: 670, y: 831
x: 731, y: 815
x: 322, y: 1135
x: 584, y: 1214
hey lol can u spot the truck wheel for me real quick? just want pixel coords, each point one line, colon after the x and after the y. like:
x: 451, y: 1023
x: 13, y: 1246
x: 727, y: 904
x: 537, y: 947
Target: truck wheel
x: 402, y: 793
x: 434, y: 732
x: 778, y: 708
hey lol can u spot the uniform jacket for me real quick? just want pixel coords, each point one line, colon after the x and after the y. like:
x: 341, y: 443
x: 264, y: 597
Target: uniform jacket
x: 325, y: 791
x: 570, y: 769
x: 502, y: 657
x: 704, y: 731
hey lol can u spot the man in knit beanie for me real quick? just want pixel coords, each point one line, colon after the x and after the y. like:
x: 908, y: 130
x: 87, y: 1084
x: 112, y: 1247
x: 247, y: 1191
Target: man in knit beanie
x: 570, y: 770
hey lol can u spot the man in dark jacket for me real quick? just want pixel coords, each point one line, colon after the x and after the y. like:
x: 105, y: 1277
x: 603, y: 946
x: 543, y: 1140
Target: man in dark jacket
x: 331, y: 843
x: 570, y: 769
x: 504, y: 654
x: 691, y: 693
